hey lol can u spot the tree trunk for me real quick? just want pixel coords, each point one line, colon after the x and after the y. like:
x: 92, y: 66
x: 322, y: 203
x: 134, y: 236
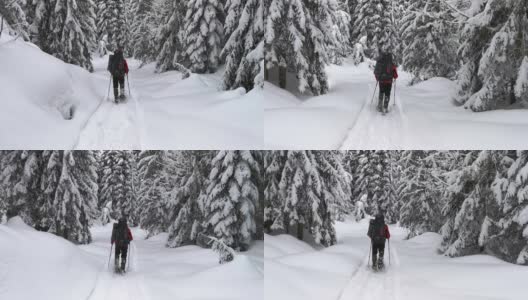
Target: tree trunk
x: 300, y: 231
x: 282, y: 77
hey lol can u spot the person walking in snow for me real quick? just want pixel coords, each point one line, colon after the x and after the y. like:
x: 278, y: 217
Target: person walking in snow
x: 385, y: 72
x: 378, y: 233
x: 121, y: 236
x: 118, y: 67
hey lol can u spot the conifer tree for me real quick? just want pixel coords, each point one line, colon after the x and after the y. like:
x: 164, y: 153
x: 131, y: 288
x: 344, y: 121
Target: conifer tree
x: 295, y: 41
x: 72, y: 32
x: 231, y: 200
x: 244, y: 49
x: 429, y: 44
x: 170, y: 37
x: 493, y: 49
x: 190, y: 195
x: 511, y: 192
x: 76, y: 196
x: 204, y: 35
x: 153, y: 191
x: 470, y: 204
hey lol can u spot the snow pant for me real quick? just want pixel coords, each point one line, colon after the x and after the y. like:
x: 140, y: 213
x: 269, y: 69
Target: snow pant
x: 120, y: 253
x: 384, y: 94
x: 119, y: 83
x: 378, y: 249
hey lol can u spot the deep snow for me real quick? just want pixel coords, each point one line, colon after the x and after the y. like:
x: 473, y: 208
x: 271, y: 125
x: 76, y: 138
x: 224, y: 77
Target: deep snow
x: 39, y: 92
x: 422, y: 117
x: 37, y: 265
x: 297, y: 271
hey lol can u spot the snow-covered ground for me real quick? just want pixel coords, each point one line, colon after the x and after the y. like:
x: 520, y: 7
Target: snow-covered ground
x: 297, y: 271
x: 37, y: 265
x: 423, y: 117
x: 38, y: 93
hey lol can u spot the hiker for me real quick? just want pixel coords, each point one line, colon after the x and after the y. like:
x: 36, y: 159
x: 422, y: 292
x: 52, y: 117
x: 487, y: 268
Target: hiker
x: 378, y: 232
x: 118, y: 67
x: 121, y: 236
x: 385, y: 72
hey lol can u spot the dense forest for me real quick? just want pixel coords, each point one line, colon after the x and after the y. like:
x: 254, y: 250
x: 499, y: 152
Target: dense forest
x: 482, y: 44
x: 184, y: 193
x: 477, y: 200
x: 196, y: 36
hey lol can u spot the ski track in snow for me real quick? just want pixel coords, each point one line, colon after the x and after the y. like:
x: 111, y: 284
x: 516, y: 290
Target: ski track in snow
x: 369, y: 285
x: 373, y: 128
x: 111, y: 286
x: 112, y: 126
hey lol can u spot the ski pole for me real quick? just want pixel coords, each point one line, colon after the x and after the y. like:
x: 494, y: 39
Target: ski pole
x: 389, y: 254
x: 394, y: 103
x: 128, y: 257
x: 110, y: 256
x: 109, y: 84
x: 128, y: 83
x: 370, y: 252
x: 374, y: 94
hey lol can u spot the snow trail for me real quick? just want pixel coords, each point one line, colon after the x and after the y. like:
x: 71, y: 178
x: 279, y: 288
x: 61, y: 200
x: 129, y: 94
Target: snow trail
x: 367, y: 284
x: 116, y: 286
x: 373, y: 128
x: 112, y: 126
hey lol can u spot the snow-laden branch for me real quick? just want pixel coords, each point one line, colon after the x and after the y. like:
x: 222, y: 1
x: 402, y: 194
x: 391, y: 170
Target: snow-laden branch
x: 225, y: 253
x: 455, y: 9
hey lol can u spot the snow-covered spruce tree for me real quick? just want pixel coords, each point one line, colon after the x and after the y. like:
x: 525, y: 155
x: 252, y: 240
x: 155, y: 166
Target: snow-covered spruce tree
x: 420, y: 192
x: 12, y: 13
x: 336, y: 183
x: 244, y: 49
x: 153, y: 191
x: 470, y: 206
x: 493, y: 48
x: 373, y: 178
x: 373, y: 18
x: 186, y: 222
x: 204, y: 35
x: 143, y: 32
x: 72, y: 32
x: 521, y: 86
x: 76, y: 196
x: 302, y: 188
x: 112, y: 22
x: 296, y: 41
x: 231, y: 199
x: 49, y: 182
x: 511, y: 193
x: 273, y: 165
x: 101, y: 13
x: 20, y: 178
x: 170, y: 36
x: 341, y: 32
x: 116, y: 182
x: 429, y: 40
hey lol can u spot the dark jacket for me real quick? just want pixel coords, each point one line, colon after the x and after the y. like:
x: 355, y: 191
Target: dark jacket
x: 378, y: 223
x: 391, y: 68
x: 114, y: 233
x: 118, y: 56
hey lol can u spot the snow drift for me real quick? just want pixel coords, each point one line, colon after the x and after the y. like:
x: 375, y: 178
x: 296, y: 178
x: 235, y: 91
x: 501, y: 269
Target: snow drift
x: 40, y: 95
x: 296, y: 271
x: 38, y: 265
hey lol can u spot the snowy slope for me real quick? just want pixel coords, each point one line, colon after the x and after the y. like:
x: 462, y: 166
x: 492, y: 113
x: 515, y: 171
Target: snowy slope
x: 38, y: 92
x: 416, y: 272
x: 37, y: 265
x: 56, y: 269
x: 422, y: 117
